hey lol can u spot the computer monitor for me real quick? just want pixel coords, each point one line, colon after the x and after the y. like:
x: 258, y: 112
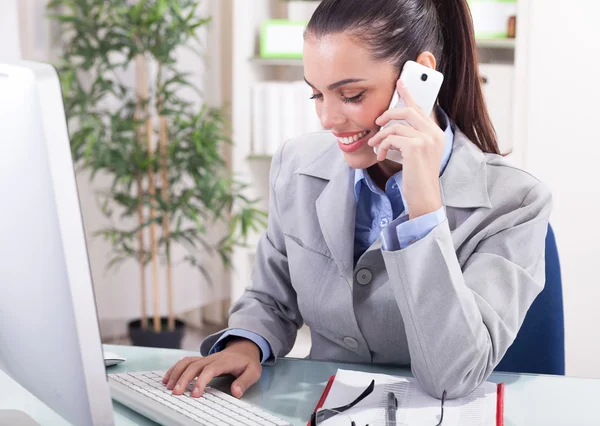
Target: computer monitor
x: 49, y: 334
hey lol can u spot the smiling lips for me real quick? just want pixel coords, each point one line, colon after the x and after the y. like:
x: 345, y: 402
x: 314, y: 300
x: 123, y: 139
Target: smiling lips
x: 351, y: 141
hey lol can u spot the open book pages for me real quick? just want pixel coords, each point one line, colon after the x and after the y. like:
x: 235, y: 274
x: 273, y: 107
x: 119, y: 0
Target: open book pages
x: 415, y: 406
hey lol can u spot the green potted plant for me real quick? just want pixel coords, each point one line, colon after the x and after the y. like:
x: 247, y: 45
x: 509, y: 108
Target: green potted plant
x: 163, y: 153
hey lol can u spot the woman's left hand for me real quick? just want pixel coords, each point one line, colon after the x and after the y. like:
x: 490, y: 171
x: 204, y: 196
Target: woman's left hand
x: 422, y: 146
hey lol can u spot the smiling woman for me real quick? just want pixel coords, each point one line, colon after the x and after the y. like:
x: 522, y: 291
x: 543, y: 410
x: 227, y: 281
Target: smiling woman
x: 431, y: 263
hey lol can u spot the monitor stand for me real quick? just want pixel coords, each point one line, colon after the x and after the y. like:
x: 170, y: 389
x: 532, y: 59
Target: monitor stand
x: 16, y: 418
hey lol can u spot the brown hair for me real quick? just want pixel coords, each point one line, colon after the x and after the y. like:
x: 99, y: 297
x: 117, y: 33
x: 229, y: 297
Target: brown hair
x: 400, y: 30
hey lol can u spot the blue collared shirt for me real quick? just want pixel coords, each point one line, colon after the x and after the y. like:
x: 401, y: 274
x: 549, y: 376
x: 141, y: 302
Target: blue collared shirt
x: 377, y: 213
x: 380, y: 213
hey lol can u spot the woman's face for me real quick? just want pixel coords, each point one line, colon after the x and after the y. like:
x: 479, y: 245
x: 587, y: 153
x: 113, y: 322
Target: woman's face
x: 351, y: 90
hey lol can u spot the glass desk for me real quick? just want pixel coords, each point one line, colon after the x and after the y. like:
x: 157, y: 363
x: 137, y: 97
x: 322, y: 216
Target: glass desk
x: 292, y: 387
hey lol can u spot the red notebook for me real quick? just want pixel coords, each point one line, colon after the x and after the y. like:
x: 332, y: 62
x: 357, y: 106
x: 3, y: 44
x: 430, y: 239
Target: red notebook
x: 499, y: 405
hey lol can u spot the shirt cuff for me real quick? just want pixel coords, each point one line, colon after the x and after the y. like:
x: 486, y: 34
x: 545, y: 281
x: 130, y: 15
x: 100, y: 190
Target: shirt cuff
x: 401, y: 232
x: 260, y: 341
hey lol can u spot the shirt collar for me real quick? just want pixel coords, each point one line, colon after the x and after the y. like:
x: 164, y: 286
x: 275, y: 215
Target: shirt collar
x: 362, y: 175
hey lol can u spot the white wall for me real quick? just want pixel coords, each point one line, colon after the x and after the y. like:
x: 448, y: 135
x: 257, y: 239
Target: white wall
x: 10, y: 48
x: 563, y: 149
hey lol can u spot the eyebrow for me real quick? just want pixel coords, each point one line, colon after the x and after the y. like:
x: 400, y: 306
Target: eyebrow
x: 338, y: 83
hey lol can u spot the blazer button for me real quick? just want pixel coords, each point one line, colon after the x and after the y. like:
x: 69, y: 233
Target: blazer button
x: 364, y: 276
x: 350, y: 342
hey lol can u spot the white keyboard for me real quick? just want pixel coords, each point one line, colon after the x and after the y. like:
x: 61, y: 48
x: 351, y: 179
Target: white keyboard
x: 145, y: 393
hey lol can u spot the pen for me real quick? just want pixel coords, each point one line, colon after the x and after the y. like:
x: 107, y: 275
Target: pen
x: 392, y: 406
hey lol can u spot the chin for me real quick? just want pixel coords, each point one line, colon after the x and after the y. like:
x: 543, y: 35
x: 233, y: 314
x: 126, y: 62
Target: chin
x: 361, y: 159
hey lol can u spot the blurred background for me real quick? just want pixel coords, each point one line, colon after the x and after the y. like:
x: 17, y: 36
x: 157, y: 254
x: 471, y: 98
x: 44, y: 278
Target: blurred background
x: 175, y: 108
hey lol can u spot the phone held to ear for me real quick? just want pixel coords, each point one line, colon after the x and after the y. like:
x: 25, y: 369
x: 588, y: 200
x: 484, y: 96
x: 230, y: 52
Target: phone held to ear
x: 424, y: 85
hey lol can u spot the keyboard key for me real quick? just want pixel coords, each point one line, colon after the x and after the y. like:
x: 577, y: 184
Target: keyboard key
x: 214, y: 408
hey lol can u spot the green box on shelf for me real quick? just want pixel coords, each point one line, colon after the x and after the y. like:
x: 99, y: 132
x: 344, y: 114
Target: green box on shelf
x: 490, y: 17
x: 282, y: 39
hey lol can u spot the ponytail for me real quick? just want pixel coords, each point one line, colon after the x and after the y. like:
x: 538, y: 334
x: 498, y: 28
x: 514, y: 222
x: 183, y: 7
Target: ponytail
x: 461, y: 96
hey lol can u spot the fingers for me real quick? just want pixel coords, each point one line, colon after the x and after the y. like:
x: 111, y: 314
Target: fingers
x: 405, y: 95
x: 413, y: 115
x: 408, y: 146
x: 165, y: 378
x: 246, y: 368
x: 398, y: 129
x: 248, y: 377
x: 398, y: 143
x: 175, y: 372
x: 208, y: 373
x: 194, y: 369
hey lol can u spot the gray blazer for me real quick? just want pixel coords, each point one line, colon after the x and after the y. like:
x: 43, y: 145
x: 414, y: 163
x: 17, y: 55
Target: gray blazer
x: 449, y: 305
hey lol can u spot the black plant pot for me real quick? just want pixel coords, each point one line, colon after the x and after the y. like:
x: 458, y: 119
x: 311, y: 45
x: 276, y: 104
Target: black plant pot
x: 149, y: 338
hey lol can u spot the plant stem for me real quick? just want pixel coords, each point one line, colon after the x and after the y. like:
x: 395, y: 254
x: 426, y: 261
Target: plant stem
x: 163, y: 148
x: 153, y: 236
x: 141, y: 243
x: 139, y: 65
x: 144, y: 95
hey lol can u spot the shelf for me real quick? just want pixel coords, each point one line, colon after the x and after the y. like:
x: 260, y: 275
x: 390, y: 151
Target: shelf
x: 499, y: 43
x: 267, y: 157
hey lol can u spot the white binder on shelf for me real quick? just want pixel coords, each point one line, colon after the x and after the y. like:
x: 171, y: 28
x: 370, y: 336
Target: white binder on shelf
x: 290, y: 127
x: 273, y: 108
x: 281, y: 111
x: 259, y: 120
x: 301, y: 97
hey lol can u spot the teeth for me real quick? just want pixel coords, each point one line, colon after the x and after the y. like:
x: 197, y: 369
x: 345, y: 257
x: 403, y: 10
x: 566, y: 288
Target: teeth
x: 352, y: 139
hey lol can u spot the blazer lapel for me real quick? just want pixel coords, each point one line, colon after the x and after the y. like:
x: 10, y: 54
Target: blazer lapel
x: 336, y: 207
x: 336, y: 210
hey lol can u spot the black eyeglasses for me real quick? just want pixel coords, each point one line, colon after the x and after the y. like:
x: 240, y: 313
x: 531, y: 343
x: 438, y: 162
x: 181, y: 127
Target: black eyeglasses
x: 320, y: 416
x: 392, y: 405
x: 442, y: 414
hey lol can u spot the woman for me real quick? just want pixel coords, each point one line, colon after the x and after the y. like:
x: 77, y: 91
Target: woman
x: 432, y: 263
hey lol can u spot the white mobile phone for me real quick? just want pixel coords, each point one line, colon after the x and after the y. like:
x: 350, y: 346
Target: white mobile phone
x: 424, y: 85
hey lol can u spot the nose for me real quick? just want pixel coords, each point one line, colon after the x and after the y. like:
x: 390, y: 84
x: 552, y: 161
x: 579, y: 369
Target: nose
x: 330, y: 114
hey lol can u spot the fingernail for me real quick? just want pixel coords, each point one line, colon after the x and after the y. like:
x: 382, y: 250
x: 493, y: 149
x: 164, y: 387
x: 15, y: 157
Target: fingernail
x: 177, y: 388
x: 239, y: 390
x: 400, y: 83
x: 196, y: 392
x: 170, y: 384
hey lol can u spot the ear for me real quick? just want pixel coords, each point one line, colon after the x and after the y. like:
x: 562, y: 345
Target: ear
x: 427, y: 59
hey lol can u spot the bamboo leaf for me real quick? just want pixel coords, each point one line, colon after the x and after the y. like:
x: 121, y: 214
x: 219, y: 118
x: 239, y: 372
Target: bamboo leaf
x: 65, y: 18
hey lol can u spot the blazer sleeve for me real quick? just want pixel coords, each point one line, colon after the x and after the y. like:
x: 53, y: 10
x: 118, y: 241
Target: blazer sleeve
x: 269, y: 307
x: 460, y: 322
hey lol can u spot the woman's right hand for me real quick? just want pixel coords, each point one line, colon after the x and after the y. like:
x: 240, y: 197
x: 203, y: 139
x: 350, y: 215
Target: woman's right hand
x: 241, y: 358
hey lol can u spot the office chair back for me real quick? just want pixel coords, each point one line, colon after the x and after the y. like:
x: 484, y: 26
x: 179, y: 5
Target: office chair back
x: 540, y: 345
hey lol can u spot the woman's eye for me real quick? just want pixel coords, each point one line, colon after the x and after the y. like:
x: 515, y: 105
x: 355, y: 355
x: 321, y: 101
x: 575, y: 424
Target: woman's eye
x: 354, y: 99
x: 350, y: 99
